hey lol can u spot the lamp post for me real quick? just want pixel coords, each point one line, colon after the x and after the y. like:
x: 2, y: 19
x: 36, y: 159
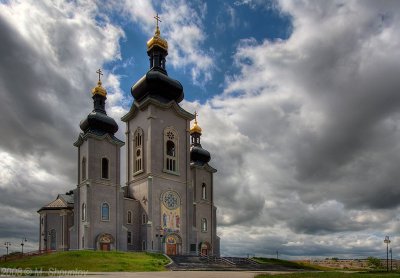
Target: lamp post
x: 22, y: 245
x: 391, y: 259
x: 387, y: 241
x: 7, y: 244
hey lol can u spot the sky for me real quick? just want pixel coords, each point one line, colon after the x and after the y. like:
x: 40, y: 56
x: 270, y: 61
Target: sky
x: 299, y: 102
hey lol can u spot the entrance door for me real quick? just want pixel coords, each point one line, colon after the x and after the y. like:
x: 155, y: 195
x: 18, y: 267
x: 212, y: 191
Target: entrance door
x: 204, y: 252
x: 105, y: 247
x: 171, y: 249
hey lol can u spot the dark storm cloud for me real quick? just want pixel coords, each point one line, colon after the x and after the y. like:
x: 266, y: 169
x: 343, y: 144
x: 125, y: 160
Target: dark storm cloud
x: 47, y: 68
x: 28, y: 85
x: 311, y: 126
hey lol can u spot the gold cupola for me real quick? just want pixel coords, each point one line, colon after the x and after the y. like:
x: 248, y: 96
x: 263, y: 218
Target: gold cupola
x: 195, y: 128
x: 157, y: 40
x: 99, y: 90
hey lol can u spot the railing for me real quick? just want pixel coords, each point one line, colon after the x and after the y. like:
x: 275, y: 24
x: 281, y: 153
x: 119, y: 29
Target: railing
x: 215, y: 259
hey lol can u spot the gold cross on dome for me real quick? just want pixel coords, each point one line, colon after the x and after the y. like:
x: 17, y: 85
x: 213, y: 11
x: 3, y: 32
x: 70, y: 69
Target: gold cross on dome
x: 100, y: 73
x: 158, y: 19
x: 195, y: 116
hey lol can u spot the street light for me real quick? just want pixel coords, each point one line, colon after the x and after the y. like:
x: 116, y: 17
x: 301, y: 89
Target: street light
x: 22, y: 244
x: 7, y: 244
x: 391, y: 259
x: 387, y: 241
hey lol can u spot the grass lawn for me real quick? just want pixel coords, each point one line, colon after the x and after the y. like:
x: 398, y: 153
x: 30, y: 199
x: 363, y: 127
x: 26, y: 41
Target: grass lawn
x: 332, y: 275
x: 96, y: 261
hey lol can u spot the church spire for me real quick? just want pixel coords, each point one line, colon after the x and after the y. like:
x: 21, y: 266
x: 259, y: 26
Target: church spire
x: 195, y: 128
x: 99, y: 95
x: 157, y: 49
x: 156, y: 83
x: 198, y: 155
x: 98, y: 121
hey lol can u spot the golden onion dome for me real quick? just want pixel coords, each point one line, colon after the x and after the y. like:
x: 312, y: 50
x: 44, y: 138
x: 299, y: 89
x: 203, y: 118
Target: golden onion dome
x: 157, y: 40
x: 195, y: 128
x: 99, y: 90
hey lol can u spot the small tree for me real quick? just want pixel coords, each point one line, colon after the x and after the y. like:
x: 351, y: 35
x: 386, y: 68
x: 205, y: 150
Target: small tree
x: 374, y: 262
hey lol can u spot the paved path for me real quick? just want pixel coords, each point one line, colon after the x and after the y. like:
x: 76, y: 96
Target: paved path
x: 180, y: 274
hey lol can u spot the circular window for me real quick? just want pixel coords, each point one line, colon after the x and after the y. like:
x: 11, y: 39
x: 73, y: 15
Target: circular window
x: 138, y: 152
x: 170, y: 135
x: 171, y: 200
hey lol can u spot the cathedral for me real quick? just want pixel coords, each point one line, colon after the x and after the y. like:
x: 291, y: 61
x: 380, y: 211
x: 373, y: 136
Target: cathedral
x: 167, y: 203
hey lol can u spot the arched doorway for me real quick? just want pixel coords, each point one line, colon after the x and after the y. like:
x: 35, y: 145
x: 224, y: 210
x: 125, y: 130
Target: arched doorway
x: 205, y: 248
x: 105, y: 242
x: 173, y: 244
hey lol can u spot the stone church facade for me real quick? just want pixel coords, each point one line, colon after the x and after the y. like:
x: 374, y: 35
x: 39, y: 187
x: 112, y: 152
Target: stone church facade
x: 167, y: 204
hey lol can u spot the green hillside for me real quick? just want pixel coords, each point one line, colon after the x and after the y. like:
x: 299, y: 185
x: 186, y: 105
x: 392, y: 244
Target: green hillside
x: 95, y: 261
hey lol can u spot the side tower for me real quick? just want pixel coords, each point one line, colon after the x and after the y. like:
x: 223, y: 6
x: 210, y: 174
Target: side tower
x: 97, y: 198
x: 204, y: 211
x: 158, y: 161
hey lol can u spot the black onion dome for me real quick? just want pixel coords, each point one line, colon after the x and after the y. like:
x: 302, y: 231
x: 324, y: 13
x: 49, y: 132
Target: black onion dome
x: 100, y: 123
x: 158, y: 85
x: 198, y: 155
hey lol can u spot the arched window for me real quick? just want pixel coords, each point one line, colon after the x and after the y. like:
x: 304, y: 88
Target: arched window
x: 204, y: 191
x: 83, y: 174
x: 171, y: 156
x: 104, y: 168
x: 204, y: 225
x: 105, y: 212
x: 170, y: 148
x: 138, y: 151
x: 129, y: 217
x: 83, y: 212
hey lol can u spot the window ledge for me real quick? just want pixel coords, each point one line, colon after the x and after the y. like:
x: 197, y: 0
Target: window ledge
x: 138, y: 172
x: 171, y: 172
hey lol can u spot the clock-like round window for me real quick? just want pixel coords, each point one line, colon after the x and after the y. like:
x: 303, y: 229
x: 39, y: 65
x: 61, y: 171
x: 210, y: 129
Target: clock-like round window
x: 171, y: 200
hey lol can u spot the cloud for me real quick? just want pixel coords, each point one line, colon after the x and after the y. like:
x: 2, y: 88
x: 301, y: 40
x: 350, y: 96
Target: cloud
x: 304, y: 135
x: 310, y: 125
x: 50, y: 51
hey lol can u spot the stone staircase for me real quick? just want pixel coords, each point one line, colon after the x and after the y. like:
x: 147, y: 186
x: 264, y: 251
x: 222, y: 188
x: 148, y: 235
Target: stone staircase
x: 190, y: 262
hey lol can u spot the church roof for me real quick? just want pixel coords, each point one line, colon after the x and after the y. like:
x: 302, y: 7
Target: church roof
x: 58, y: 203
x: 63, y: 201
x: 68, y: 198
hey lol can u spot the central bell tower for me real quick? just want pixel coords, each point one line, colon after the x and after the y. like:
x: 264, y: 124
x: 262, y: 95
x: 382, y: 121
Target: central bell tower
x: 158, y: 155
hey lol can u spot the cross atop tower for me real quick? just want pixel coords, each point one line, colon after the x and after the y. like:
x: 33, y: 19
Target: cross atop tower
x: 195, y: 116
x: 100, y: 73
x: 157, y: 18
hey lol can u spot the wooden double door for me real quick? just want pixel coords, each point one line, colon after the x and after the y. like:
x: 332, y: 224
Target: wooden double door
x: 204, y: 251
x: 105, y: 246
x: 172, y: 249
